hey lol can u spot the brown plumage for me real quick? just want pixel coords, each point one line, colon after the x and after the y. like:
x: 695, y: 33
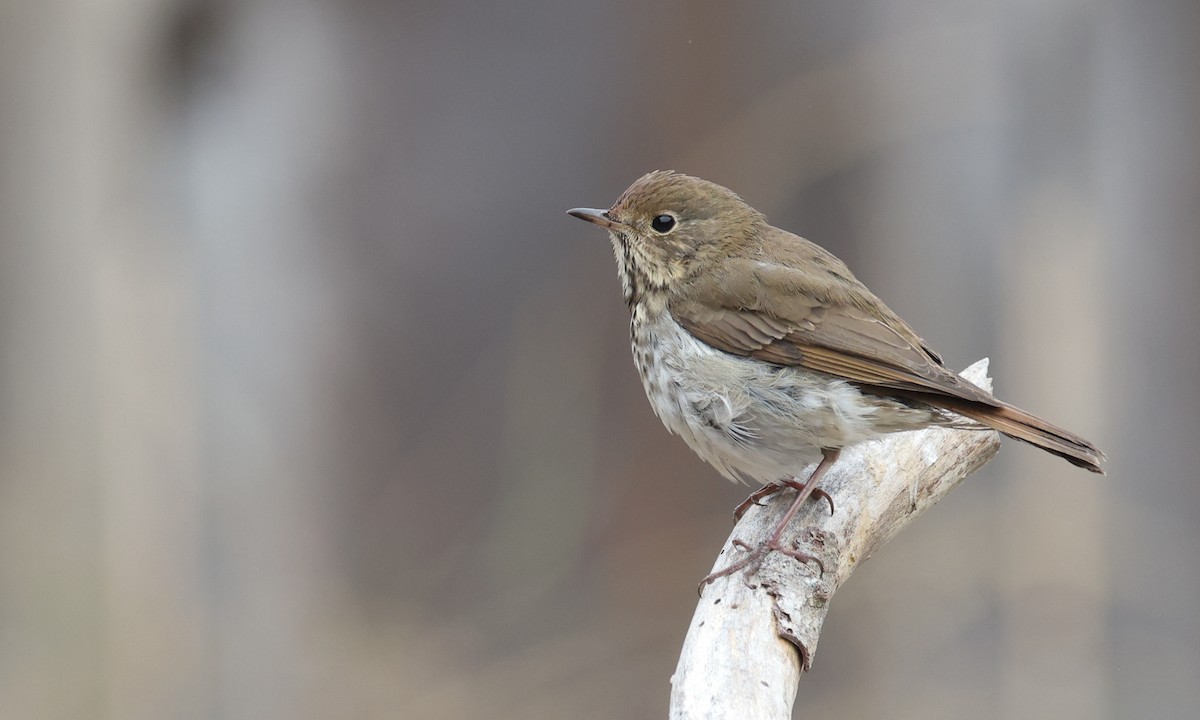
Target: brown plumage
x: 766, y: 354
x: 830, y: 322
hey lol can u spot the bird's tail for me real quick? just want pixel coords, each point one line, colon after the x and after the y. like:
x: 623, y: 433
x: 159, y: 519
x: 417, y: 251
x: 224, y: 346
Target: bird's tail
x: 1017, y: 423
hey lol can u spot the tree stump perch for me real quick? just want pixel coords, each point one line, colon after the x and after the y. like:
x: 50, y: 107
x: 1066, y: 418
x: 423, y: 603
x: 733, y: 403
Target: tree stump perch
x: 751, y: 637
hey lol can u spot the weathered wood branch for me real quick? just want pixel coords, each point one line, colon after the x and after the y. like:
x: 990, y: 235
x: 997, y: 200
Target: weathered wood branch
x: 747, y: 646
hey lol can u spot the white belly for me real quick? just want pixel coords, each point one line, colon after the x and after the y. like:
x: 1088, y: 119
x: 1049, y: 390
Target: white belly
x: 750, y: 420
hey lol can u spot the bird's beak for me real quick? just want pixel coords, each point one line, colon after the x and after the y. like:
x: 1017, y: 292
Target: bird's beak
x: 596, y: 217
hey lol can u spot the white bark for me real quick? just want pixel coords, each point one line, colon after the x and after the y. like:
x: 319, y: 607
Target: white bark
x: 751, y: 637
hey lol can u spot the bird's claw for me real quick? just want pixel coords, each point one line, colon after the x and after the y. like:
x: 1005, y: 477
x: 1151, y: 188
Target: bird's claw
x: 751, y: 563
x: 771, y: 489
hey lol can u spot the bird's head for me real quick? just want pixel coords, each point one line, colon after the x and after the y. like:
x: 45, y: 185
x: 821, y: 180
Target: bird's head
x: 666, y: 227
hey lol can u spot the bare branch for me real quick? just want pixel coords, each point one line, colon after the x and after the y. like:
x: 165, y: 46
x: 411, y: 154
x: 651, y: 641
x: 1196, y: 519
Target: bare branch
x: 747, y: 645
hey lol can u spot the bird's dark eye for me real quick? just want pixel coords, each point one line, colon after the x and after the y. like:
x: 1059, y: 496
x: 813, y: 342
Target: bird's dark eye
x: 662, y: 223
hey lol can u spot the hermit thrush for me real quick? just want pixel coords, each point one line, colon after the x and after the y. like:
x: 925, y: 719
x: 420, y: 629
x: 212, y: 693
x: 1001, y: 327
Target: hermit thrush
x: 765, y: 353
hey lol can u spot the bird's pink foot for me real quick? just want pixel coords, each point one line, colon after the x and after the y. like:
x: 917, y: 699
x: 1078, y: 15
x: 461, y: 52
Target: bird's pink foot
x: 754, y: 558
x: 772, y: 488
x: 755, y: 555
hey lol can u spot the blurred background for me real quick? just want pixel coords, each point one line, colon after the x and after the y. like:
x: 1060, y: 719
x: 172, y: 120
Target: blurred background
x: 314, y: 403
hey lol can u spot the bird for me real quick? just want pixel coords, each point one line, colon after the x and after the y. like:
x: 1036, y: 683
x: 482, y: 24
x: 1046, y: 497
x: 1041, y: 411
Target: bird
x: 764, y: 352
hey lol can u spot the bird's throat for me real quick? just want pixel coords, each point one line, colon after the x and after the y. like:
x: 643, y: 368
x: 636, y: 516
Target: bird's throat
x: 640, y: 275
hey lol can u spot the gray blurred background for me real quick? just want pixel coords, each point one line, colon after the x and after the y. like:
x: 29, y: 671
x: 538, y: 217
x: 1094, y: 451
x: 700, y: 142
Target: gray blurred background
x: 313, y: 402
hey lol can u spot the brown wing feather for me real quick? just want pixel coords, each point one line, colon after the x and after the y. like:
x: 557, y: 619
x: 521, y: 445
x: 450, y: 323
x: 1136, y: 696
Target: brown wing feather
x: 804, y: 308
x: 822, y: 319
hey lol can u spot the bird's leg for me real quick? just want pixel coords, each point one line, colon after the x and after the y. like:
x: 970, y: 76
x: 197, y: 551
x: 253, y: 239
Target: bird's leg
x: 753, y: 560
x: 771, y: 488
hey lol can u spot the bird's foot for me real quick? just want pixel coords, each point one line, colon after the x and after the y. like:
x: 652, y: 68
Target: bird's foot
x: 772, y: 488
x: 755, y: 555
x: 753, y: 560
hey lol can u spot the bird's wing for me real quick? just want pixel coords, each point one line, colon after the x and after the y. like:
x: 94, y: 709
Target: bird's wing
x: 820, y: 319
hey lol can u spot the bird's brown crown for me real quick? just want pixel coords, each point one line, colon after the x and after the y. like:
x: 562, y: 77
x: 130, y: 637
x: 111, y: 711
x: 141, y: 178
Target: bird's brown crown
x: 669, y: 224
x: 702, y: 210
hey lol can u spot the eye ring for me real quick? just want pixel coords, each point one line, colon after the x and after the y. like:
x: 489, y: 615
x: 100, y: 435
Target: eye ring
x: 663, y: 224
